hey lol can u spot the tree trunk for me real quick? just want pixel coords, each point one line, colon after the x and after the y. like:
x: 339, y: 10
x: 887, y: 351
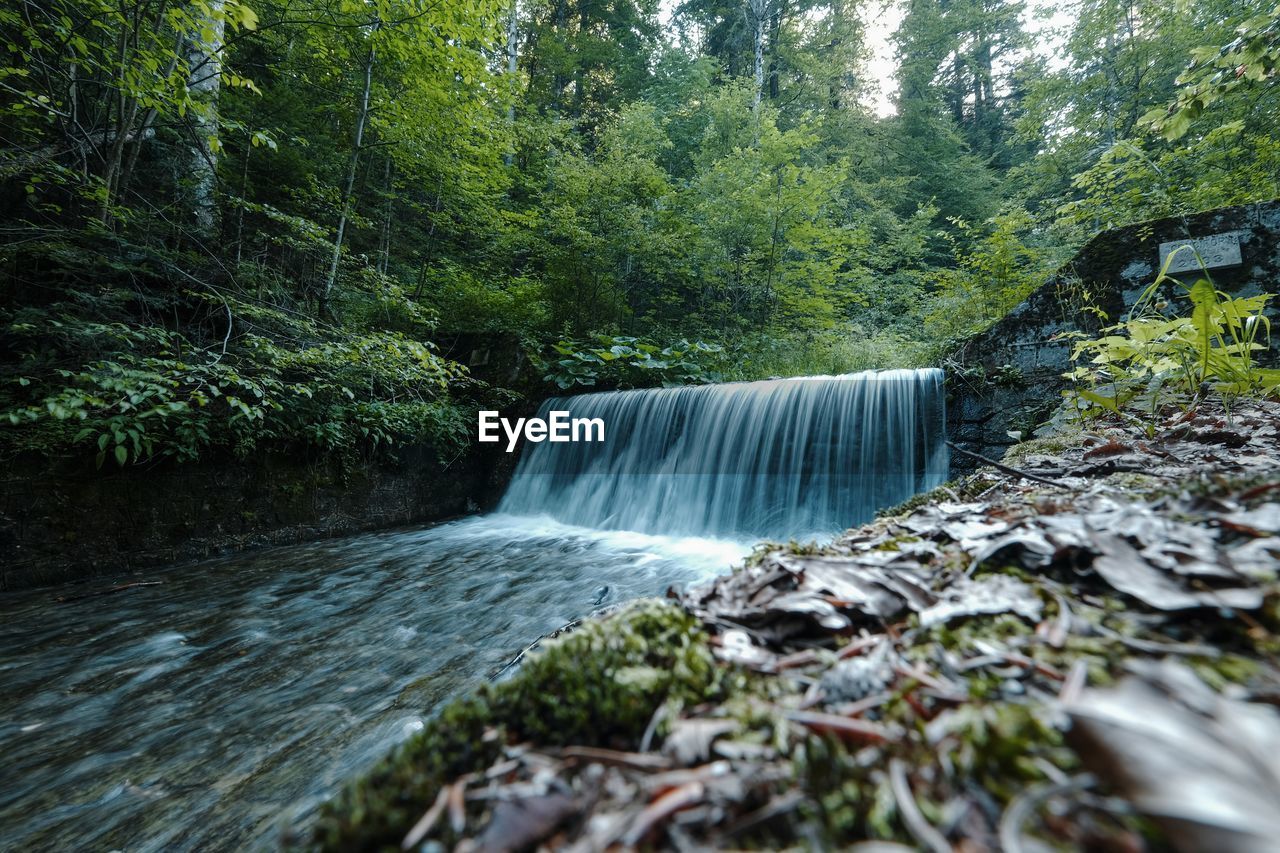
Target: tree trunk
x: 384, y: 241
x: 145, y: 132
x: 579, y: 73
x: 204, y: 64
x: 348, y: 188
x: 115, y: 144
x: 958, y: 89
x: 559, y: 80
x: 775, y: 36
x: 758, y: 13
x: 834, y: 86
x: 244, y: 193
x: 513, y: 35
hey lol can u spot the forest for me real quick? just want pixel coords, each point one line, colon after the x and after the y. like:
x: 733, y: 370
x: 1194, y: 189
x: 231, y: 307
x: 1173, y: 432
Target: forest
x: 265, y: 266
x: 240, y: 224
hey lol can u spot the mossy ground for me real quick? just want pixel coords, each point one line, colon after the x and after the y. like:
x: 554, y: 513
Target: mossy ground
x: 597, y: 686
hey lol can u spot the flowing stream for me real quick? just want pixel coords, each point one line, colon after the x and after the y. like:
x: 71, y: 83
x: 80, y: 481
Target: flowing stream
x: 222, y: 704
x: 211, y: 710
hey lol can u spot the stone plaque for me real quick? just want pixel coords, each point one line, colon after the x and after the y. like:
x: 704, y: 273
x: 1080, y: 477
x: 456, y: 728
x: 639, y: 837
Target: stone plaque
x: 1217, y: 250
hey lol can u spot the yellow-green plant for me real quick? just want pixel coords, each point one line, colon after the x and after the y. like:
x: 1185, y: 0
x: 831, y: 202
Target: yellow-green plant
x: 1157, y: 357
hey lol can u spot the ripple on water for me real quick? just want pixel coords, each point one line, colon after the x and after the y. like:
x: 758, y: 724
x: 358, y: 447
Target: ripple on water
x: 210, y: 711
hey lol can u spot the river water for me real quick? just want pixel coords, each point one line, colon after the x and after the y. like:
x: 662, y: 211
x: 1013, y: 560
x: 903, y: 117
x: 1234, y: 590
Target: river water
x: 225, y: 703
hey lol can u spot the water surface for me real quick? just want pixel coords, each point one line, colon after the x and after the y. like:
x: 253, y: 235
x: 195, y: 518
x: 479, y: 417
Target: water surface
x: 217, y: 707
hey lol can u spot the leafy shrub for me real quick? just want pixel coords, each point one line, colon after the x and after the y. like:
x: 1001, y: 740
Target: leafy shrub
x: 469, y: 302
x: 1252, y: 58
x: 825, y: 353
x: 994, y: 271
x: 156, y: 395
x: 624, y: 362
x: 1153, y: 359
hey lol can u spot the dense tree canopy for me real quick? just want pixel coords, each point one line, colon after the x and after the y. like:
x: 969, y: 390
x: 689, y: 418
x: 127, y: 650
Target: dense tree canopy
x: 229, y: 223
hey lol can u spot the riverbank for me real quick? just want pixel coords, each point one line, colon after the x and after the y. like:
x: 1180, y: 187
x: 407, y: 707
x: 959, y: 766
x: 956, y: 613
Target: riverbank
x: 1047, y: 652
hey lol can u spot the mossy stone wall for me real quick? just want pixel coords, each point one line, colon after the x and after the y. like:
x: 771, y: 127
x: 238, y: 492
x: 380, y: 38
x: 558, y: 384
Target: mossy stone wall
x: 1009, y: 378
x: 64, y: 520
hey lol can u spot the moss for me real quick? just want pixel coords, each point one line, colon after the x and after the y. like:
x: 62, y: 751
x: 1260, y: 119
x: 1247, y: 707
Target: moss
x: 599, y: 686
x: 1000, y: 748
x: 895, y: 543
x: 996, y: 746
x: 1227, y: 669
x: 1056, y: 443
x: 1218, y: 485
x: 840, y: 792
x: 949, y: 490
x: 604, y: 682
x: 1135, y: 484
x: 758, y: 554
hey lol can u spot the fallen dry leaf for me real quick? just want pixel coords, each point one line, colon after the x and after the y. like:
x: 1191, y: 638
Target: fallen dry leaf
x: 988, y: 594
x: 521, y: 823
x: 1206, y: 767
x: 1127, y: 571
x: 690, y: 740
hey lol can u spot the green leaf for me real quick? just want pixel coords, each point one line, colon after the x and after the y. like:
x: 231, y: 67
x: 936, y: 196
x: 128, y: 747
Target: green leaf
x: 1108, y: 403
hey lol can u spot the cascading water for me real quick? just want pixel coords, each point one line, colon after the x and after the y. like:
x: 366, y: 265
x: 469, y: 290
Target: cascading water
x: 780, y: 458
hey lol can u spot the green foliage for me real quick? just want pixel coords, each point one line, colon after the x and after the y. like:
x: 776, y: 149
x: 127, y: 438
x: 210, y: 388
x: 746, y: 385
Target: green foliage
x: 156, y: 394
x: 994, y: 271
x: 467, y: 302
x: 1252, y: 58
x: 1156, y: 358
x: 97, y: 78
x: 954, y: 118
x: 1096, y: 162
x: 1140, y: 180
x: 286, y: 201
x: 1155, y: 166
x: 824, y: 353
x: 176, y: 175
x: 622, y: 362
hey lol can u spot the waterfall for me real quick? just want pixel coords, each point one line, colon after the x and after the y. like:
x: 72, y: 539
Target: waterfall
x: 785, y: 458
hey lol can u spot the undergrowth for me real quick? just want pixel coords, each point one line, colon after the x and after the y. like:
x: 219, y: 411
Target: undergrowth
x: 145, y: 360
x: 1163, y: 355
